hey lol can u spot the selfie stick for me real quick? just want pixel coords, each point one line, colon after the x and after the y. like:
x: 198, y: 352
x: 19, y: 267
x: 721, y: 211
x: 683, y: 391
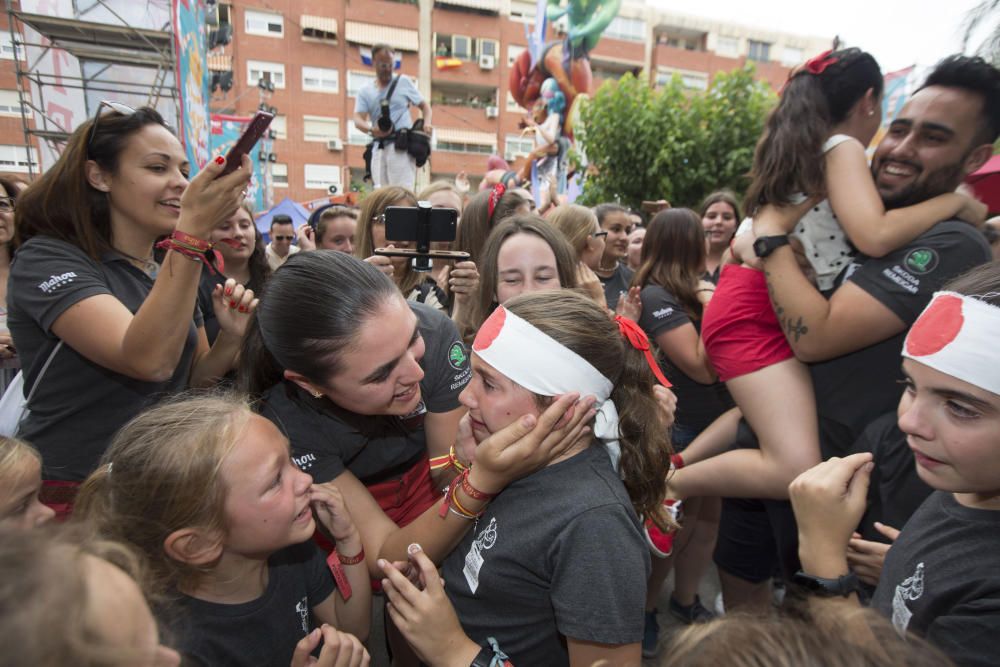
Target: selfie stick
x: 422, y: 262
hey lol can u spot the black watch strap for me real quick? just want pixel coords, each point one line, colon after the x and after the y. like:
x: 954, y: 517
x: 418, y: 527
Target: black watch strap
x: 484, y: 658
x: 839, y: 587
x: 765, y: 245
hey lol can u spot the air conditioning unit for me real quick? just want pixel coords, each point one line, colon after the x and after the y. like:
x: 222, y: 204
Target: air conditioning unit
x: 492, y: 112
x: 487, y: 62
x: 335, y: 145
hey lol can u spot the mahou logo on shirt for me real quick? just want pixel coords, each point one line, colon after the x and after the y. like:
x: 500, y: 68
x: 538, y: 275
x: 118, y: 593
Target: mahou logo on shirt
x: 55, y: 282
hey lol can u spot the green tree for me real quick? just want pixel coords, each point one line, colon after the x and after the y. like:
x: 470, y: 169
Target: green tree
x: 671, y: 143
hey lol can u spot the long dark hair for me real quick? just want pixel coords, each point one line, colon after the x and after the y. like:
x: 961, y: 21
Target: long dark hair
x: 673, y: 256
x: 788, y: 158
x: 308, y: 336
x: 724, y: 196
x: 372, y: 207
x: 484, y: 302
x: 260, y: 270
x: 62, y: 203
x: 579, y: 324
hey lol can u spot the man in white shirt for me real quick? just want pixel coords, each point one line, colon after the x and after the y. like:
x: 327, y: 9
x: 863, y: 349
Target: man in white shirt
x: 280, y: 248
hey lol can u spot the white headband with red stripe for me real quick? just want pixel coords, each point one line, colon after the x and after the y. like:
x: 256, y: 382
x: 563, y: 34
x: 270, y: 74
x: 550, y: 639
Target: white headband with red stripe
x: 957, y: 335
x: 541, y: 365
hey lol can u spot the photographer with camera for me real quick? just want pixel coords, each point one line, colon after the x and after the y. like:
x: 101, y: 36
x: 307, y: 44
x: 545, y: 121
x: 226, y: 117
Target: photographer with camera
x: 382, y: 110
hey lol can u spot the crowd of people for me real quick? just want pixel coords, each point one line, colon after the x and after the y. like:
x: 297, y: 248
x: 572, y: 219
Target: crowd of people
x: 230, y: 451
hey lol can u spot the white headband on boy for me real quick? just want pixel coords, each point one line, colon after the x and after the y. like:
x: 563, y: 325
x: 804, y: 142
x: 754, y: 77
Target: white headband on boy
x: 957, y: 335
x: 541, y: 365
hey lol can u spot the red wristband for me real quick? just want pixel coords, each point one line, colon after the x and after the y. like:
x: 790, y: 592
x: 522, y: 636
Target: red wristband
x: 472, y: 491
x: 352, y: 560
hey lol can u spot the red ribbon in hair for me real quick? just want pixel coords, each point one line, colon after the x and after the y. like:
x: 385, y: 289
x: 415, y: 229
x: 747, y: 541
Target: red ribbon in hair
x: 815, y: 65
x: 818, y: 64
x: 637, y: 338
x: 495, y: 195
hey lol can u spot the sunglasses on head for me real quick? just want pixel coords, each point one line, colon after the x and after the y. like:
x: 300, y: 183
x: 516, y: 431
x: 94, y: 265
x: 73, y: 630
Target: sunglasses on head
x: 114, y: 106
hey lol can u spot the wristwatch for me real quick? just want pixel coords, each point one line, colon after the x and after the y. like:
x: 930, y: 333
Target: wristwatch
x: 765, y: 245
x: 484, y: 658
x: 828, y: 588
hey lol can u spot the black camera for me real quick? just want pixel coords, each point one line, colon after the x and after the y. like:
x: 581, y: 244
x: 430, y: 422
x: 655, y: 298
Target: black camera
x: 384, y: 119
x: 423, y: 224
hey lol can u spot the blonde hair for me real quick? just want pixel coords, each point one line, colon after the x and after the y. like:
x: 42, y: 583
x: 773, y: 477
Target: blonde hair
x: 577, y: 323
x: 812, y: 633
x: 577, y: 224
x: 373, y: 206
x: 442, y: 186
x: 45, y: 608
x: 161, y: 474
x: 331, y: 214
x: 13, y: 453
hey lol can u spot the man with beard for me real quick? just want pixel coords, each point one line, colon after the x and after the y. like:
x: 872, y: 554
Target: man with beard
x: 853, y: 338
x: 944, y: 132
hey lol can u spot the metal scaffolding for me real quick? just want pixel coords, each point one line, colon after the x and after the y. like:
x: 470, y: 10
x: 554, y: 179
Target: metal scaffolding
x: 106, y: 50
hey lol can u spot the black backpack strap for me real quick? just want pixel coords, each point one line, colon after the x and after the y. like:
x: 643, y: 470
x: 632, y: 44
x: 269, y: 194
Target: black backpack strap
x: 392, y: 88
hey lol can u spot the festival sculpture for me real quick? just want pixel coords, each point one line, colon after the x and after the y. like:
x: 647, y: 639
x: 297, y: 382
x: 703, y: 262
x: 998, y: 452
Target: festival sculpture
x: 553, y: 79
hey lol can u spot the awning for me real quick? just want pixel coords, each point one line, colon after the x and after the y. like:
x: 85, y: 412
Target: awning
x: 483, y: 5
x: 220, y: 62
x: 318, y: 26
x: 465, y: 136
x: 370, y: 34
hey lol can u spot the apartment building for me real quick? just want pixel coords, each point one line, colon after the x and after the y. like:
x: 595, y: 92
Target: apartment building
x: 304, y: 58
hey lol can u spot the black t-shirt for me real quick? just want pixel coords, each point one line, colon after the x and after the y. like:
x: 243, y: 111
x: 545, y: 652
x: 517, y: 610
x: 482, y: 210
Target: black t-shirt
x: 557, y: 554
x: 698, y: 405
x: 855, y: 389
x: 78, y: 405
x: 326, y: 440
x: 616, y: 283
x: 895, y: 491
x: 263, y: 631
x: 206, y: 285
x: 941, y: 581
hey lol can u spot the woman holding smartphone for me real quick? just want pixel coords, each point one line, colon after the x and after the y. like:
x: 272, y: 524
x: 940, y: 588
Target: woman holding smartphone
x: 114, y: 330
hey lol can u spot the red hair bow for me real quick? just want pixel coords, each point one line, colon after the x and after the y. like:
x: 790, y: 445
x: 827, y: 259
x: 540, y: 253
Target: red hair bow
x: 818, y: 64
x: 637, y: 338
x: 815, y: 65
x: 495, y: 195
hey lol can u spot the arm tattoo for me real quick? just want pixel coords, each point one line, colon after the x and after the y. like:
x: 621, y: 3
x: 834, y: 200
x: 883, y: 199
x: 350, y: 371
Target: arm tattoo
x: 790, y: 324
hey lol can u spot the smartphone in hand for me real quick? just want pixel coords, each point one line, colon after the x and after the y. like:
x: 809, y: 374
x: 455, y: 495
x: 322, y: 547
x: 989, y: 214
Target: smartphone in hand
x: 251, y: 135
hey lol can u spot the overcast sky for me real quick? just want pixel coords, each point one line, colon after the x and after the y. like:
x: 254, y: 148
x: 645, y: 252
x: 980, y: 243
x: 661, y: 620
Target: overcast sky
x: 899, y: 33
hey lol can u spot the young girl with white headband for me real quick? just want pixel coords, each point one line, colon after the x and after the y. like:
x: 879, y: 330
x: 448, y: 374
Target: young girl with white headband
x: 552, y: 571
x: 940, y: 577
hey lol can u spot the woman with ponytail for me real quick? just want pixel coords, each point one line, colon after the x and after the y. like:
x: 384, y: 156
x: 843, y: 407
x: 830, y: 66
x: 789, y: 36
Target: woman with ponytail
x: 365, y: 385
x: 567, y: 537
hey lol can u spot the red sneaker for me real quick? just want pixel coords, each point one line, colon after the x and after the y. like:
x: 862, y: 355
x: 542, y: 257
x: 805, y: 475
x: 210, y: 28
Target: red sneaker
x: 662, y: 543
